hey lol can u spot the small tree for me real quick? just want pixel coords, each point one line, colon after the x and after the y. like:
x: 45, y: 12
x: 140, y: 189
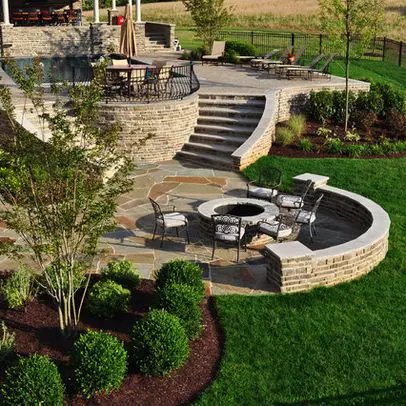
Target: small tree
x: 351, y: 24
x: 60, y: 191
x: 209, y: 16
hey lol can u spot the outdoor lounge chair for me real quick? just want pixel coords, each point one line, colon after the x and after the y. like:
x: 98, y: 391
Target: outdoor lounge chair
x: 307, y: 217
x: 267, y: 185
x: 217, y: 52
x: 293, y: 201
x: 283, y: 59
x: 228, y: 229
x: 168, y: 220
x: 284, y: 69
x: 308, y: 72
x: 276, y: 66
x: 257, y: 63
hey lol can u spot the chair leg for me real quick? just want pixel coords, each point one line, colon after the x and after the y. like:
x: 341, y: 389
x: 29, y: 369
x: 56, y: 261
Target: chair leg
x: 214, y: 248
x: 177, y: 231
x: 311, y: 232
x: 187, y: 234
x: 163, y: 236
x: 153, y: 237
x: 238, y: 252
x: 314, y: 229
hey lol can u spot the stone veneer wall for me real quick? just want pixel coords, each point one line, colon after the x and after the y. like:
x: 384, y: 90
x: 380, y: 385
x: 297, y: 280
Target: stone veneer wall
x: 293, y: 267
x: 65, y: 41
x: 170, y: 124
x: 279, y: 106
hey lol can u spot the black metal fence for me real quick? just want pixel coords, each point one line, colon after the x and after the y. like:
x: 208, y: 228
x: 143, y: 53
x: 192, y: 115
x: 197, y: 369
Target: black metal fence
x: 150, y: 84
x: 314, y: 44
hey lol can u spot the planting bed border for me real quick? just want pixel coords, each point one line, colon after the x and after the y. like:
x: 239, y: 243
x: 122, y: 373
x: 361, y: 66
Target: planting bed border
x: 293, y: 267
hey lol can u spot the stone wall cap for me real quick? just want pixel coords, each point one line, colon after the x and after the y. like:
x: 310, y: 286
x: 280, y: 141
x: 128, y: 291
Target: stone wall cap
x: 319, y: 180
x: 289, y: 250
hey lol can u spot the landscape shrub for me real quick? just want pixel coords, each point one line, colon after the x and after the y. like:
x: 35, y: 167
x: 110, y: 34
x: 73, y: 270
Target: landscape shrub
x: 108, y: 298
x: 396, y: 122
x: 159, y: 343
x: 306, y: 145
x: 356, y: 150
x: 32, y: 381
x: 392, y: 99
x: 240, y: 48
x: 99, y: 361
x: 231, y: 57
x: 319, y: 105
x: 334, y: 145
x: 371, y: 101
x: 284, y: 136
x: 375, y: 149
x: 297, y: 124
x: 7, y: 342
x: 197, y: 53
x: 180, y: 271
x: 20, y: 288
x: 324, y: 132
x: 339, y: 99
x: 363, y: 119
x: 352, y: 136
x: 123, y: 273
x: 182, y: 301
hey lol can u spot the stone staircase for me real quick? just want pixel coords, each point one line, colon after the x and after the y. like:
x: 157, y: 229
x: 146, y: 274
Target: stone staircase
x: 155, y: 42
x: 225, y: 122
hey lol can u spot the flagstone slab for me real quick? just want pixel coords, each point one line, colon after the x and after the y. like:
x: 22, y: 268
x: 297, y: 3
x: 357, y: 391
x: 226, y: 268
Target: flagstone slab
x: 160, y: 189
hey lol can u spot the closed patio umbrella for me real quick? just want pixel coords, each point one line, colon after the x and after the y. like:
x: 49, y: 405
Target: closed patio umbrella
x: 128, y: 44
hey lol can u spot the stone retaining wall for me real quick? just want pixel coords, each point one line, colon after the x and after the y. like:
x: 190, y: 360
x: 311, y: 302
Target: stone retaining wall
x: 279, y: 106
x: 293, y: 267
x: 65, y: 41
x: 169, y: 125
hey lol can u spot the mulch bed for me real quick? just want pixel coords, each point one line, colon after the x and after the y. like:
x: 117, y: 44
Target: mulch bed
x: 37, y: 332
x: 293, y: 151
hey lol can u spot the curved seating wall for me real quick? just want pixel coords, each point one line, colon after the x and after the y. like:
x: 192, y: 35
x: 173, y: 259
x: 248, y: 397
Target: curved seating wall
x: 293, y: 267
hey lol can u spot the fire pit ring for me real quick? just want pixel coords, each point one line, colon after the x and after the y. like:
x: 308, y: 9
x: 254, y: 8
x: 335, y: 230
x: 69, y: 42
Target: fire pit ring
x: 251, y: 211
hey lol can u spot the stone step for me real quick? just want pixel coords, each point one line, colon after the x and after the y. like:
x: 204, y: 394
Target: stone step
x: 206, y: 160
x: 231, y: 103
x: 227, y: 111
x: 240, y: 121
x: 223, y: 130
x: 214, y: 150
x: 217, y: 139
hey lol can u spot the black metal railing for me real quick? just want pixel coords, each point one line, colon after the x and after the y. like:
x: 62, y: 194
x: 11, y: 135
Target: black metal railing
x: 150, y: 84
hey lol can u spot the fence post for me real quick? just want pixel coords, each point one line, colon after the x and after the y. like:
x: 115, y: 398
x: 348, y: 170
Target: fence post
x: 384, y: 49
x: 321, y: 44
x: 252, y: 37
x: 292, y: 41
x: 400, y: 52
x: 73, y: 76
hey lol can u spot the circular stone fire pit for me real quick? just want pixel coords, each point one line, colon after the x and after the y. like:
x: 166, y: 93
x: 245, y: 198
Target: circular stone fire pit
x: 251, y: 211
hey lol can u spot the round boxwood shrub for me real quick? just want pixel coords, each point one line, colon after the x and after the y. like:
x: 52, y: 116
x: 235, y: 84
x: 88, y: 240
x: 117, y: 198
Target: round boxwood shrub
x: 180, y: 271
x: 319, y: 105
x: 123, y: 273
x: 107, y: 298
x: 183, y: 301
x: 240, y: 48
x: 32, y: 381
x: 99, y: 361
x: 159, y: 343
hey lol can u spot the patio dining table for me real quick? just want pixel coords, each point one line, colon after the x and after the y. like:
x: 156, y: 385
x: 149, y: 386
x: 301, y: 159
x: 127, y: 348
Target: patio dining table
x: 128, y: 70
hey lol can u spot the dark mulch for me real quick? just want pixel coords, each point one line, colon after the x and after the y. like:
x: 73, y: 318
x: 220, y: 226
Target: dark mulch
x: 372, y: 137
x: 37, y: 332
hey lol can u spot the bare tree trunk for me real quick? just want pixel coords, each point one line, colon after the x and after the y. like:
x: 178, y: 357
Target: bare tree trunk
x: 347, y: 65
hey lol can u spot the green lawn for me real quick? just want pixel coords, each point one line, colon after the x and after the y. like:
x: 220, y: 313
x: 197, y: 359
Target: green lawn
x: 341, y: 345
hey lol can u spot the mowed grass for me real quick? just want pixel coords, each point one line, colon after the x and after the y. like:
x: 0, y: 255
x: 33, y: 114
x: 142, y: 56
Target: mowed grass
x: 341, y: 345
x: 290, y: 15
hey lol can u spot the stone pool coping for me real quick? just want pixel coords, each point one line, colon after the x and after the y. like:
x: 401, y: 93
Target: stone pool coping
x: 294, y: 267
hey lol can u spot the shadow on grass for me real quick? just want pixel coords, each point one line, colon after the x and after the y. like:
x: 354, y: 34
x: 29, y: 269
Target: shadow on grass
x: 395, y: 395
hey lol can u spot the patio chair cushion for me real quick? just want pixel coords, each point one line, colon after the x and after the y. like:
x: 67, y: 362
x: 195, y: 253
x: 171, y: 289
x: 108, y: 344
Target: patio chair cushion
x: 289, y: 201
x: 174, y: 219
x: 304, y: 216
x: 211, y: 56
x: 225, y: 232
x: 262, y: 192
x: 271, y: 228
